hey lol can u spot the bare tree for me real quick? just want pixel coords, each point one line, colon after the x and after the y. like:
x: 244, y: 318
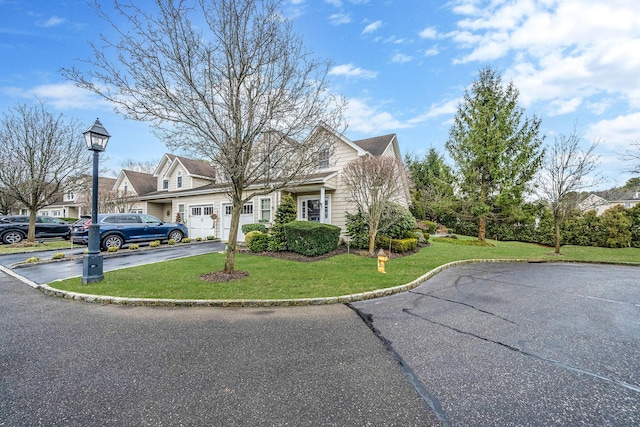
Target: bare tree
x: 144, y: 166
x: 566, y: 170
x: 372, y: 182
x: 227, y: 80
x: 39, y: 153
x: 633, y: 155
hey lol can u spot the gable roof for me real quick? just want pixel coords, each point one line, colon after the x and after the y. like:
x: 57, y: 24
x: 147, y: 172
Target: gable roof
x: 142, y: 183
x: 376, y: 145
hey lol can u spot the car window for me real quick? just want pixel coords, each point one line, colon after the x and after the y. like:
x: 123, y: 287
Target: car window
x: 148, y: 218
x: 128, y: 219
x: 111, y: 219
x: 46, y: 219
x: 19, y: 219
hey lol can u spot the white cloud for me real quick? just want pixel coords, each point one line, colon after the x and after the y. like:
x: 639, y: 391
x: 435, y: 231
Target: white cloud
x: 564, y: 51
x: 349, y: 70
x: 368, y: 119
x: 617, y: 134
x: 428, y: 33
x: 371, y: 28
x: 61, y: 96
x: 53, y: 21
x: 447, y: 108
x: 401, y: 58
x: 336, y: 3
x: 433, y: 51
x: 339, y: 19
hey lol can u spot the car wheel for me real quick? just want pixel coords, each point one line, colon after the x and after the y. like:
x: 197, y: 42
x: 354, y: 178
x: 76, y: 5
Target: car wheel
x: 176, y: 235
x: 12, y: 237
x: 112, y: 241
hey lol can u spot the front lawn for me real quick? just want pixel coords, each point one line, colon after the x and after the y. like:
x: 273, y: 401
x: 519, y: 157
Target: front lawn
x: 46, y: 245
x: 271, y: 278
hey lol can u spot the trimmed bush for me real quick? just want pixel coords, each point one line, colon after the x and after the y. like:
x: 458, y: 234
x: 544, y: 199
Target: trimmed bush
x: 186, y: 240
x: 32, y: 260
x: 259, y: 242
x: 199, y: 239
x: 247, y: 228
x: 397, y: 245
x: 154, y: 244
x: 133, y: 246
x: 285, y: 213
x: 208, y: 238
x: 58, y: 255
x: 311, y: 238
x: 113, y: 249
x: 171, y: 241
x: 249, y: 235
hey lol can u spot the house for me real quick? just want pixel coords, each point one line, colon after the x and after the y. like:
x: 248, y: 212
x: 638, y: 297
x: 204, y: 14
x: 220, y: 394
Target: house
x: 75, y: 200
x: 601, y: 201
x: 194, y: 189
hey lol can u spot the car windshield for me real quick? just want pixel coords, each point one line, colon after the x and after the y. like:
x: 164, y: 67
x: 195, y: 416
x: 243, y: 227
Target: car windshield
x: 149, y: 218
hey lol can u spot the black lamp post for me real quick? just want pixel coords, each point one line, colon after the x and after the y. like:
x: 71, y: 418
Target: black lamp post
x: 97, y: 138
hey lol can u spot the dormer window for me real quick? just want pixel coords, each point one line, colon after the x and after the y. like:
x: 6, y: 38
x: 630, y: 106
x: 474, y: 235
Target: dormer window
x: 126, y: 187
x: 179, y: 185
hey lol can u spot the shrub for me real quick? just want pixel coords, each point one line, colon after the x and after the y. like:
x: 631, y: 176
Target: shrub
x: 311, y: 238
x: 113, y: 249
x: 199, y: 239
x: 186, y: 240
x: 246, y: 228
x: 259, y: 242
x: 154, y: 244
x: 133, y: 246
x: 208, y: 238
x: 616, y: 225
x: 634, y: 215
x: 285, y: 213
x: 248, y: 237
x: 454, y: 240
x: 427, y: 226
x: 58, y: 255
x: 396, y: 221
x: 32, y: 260
x: 357, y: 230
x: 171, y: 241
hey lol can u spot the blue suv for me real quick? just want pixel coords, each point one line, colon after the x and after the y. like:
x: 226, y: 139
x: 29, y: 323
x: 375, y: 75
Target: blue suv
x: 120, y: 228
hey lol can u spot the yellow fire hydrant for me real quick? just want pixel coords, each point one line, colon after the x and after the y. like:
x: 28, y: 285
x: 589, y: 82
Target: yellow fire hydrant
x: 382, y: 258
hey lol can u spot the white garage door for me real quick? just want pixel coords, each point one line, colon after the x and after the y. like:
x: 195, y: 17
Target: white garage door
x: 200, y: 222
x: 246, y: 217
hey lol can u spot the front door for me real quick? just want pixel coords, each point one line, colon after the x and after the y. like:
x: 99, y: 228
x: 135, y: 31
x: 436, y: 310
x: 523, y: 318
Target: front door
x: 246, y: 217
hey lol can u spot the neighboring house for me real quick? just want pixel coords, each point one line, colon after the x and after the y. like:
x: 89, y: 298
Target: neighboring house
x: 127, y: 189
x: 193, y: 189
x: 601, y: 201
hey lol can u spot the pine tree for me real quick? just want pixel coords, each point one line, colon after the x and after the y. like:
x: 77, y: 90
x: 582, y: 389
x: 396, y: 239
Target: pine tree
x: 495, y: 148
x: 285, y: 213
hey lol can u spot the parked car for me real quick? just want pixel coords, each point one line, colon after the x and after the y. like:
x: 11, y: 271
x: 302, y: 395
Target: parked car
x: 119, y: 229
x: 14, y: 228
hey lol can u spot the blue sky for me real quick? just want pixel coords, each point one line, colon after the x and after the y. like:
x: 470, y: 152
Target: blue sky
x: 403, y: 66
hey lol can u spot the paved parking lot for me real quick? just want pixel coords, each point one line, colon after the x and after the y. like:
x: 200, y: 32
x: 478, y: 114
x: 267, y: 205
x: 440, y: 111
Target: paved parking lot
x: 500, y: 344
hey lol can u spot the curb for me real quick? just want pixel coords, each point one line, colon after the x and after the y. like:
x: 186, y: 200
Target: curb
x: 299, y: 302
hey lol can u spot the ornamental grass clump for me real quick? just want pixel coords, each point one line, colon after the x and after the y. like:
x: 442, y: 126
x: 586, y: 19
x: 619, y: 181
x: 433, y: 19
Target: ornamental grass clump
x: 155, y: 244
x: 58, y: 255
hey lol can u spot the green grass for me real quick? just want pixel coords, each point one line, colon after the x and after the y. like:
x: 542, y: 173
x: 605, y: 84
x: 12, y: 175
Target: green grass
x: 272, y: 278
x: 45, y: 246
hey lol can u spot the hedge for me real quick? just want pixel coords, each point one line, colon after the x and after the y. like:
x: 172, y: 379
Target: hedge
x: 311, y: 238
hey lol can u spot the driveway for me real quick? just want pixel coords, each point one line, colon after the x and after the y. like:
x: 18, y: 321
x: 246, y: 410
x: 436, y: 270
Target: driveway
x: 71, y: 266
x: 505, y: 344
x: 66, y: 363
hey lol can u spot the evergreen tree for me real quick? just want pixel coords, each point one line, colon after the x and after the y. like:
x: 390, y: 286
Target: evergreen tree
x: 495, y: 148
x: 285, y: 213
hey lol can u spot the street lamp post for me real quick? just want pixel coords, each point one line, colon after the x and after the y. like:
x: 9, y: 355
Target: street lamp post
x: 97, y: 138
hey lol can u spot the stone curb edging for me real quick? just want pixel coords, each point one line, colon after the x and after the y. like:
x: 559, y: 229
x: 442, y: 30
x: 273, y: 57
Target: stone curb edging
x: 236, y: 303
x: 300, y: 302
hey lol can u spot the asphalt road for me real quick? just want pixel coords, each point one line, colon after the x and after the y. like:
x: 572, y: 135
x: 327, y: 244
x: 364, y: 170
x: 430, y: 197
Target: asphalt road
x: 66, y: 363
x: 507, y: 344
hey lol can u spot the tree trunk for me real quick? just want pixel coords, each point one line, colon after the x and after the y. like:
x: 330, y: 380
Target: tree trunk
x: 557, y: 235
x: 31, y: 234
x: 482, y: 228
x: 372, y: 241
x: 232, y: 243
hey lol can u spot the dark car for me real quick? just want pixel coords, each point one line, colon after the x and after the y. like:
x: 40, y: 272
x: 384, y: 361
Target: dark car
x: 121, y: 228
x: 14, y: 228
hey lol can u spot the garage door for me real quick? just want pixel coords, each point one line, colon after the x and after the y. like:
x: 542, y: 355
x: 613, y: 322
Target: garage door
x: 200, y: 222
x: 246, y: 217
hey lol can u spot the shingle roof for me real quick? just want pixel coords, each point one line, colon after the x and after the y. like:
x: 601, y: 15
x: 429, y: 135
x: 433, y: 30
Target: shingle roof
x: 375, y: 145
x: 198, y: 167
x: 142, y: 183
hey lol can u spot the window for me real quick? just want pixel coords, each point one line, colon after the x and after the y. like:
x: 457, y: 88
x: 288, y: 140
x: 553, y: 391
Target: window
x: 196, y: 211
x: 56, y: 213
x: 207, y: 210
x: 181, y: 211
x: 165, y: 184
x: 227, y: 210
x: 265, y: 210
x: 69, y: 196
x: 126, y: 187
x: 179, y: 185
x: 323, y: 161
x: 247, y: 209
